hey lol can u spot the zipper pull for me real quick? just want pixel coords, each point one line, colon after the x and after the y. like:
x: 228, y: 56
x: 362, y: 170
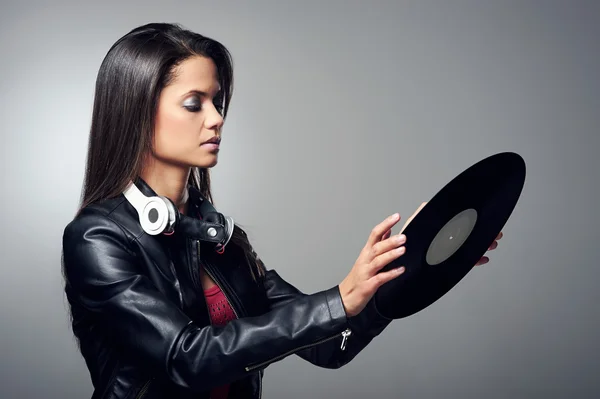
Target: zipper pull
x: 345, y: 334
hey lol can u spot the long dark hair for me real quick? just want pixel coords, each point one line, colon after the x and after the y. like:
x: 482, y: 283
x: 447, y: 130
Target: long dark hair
x: 131, y: 77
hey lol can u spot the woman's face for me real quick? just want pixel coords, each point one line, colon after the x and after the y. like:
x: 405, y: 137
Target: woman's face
x: 187, y: 119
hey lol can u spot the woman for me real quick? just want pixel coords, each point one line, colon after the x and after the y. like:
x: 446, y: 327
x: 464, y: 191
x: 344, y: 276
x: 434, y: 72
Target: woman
x: 173, y: 315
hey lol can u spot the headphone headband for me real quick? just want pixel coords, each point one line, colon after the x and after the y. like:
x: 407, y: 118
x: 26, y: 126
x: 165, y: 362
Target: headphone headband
x: 158, y: 214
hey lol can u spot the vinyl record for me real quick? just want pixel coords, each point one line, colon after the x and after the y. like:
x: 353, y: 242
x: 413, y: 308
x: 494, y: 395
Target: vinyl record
x: 451, y: 233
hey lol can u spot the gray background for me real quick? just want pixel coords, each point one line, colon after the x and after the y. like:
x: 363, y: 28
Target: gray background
x: 344, y: 113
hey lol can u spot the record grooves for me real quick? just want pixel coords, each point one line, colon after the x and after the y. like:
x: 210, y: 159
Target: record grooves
x: 452, y: 232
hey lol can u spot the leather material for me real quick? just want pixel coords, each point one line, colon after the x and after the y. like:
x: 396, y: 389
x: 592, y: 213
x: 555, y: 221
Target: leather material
x: 199, y: 231
x: 142, y: 323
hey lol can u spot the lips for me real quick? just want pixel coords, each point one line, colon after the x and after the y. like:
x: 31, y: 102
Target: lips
x: 214, y: 140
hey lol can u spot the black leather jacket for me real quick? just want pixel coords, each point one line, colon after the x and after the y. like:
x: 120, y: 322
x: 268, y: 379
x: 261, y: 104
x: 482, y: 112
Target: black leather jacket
x: 143, y: 326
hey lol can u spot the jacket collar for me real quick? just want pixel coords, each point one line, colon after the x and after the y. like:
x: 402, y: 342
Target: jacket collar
x: 195, y: 199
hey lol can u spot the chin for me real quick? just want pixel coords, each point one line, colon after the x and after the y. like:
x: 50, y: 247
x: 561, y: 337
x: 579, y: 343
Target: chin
x: 208, y: 162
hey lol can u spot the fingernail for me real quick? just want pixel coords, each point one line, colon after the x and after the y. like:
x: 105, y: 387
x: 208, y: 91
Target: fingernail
x: 400, y: 269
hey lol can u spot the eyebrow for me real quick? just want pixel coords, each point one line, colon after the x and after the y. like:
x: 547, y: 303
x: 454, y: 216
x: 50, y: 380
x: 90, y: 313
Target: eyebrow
x: 200, y: 93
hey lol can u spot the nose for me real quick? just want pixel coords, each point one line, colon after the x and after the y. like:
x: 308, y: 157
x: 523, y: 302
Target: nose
x: 214, y: 120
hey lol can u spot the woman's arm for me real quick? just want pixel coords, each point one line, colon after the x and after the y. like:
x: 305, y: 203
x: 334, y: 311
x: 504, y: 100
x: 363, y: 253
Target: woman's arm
x: 102, y: 275
x: 363, y: 327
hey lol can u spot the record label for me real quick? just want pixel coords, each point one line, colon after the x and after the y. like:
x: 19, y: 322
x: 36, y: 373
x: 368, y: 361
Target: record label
x: 451, y: 237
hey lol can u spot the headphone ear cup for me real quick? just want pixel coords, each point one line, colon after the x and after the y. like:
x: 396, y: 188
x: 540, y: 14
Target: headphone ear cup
x: 154, y: 217
x: 172, y: 215
x: 225, y: 221
x: 230, y: 225
x: 156, y: 214
x: 215, y: 217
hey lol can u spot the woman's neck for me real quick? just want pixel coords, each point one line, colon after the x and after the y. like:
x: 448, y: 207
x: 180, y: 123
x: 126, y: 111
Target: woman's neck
x: 169, y: 181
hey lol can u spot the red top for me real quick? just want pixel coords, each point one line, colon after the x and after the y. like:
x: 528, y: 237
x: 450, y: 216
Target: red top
x: 220, y: 313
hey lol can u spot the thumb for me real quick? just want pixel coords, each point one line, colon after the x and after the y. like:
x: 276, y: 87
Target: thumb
x: 413, y: 216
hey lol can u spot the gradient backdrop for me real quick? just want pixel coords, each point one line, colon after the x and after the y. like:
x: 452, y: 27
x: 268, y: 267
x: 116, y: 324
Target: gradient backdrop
x: 344, y: 112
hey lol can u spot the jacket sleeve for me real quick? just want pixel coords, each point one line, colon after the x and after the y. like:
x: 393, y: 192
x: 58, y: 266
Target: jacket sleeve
x: 104, y: 277
x: 335, y: 353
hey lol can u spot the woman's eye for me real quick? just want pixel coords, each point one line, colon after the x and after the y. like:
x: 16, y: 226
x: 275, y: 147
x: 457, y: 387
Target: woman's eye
x: 192, y: 106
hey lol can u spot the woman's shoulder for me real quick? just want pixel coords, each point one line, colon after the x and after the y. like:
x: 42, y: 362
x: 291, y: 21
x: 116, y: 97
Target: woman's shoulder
x: 96, y: 214
x: 97, y: 242
x: 107, y: 220
x: 110, y: 216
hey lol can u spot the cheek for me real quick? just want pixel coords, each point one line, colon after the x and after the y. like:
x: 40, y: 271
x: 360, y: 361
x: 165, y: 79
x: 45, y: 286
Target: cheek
x: 175, y: 133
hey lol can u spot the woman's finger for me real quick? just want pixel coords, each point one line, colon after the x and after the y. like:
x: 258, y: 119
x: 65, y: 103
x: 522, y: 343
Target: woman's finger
x: 379, y: 230
x: 482, y: 261
x: 381, y: 278
x: 385, y: 258
x: 386, y: 235
x: 387, y: 245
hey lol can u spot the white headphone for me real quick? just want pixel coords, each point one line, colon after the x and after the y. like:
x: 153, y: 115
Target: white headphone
x: 158, y: 214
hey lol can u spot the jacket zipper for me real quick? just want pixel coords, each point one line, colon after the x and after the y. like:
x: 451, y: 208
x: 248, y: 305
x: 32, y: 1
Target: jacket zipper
x: 344, y: 334
x: 144, y: 389
x: 217, y: 282
x: 260, y: 388
x: 198, y: 264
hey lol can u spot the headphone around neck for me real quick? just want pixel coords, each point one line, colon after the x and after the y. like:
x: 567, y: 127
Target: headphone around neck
x: 159, y: 215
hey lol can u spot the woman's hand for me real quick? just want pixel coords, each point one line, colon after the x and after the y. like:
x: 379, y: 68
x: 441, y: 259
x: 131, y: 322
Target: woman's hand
x: 486, y: 259
x: 482, y: 261
x: 364, y: 279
